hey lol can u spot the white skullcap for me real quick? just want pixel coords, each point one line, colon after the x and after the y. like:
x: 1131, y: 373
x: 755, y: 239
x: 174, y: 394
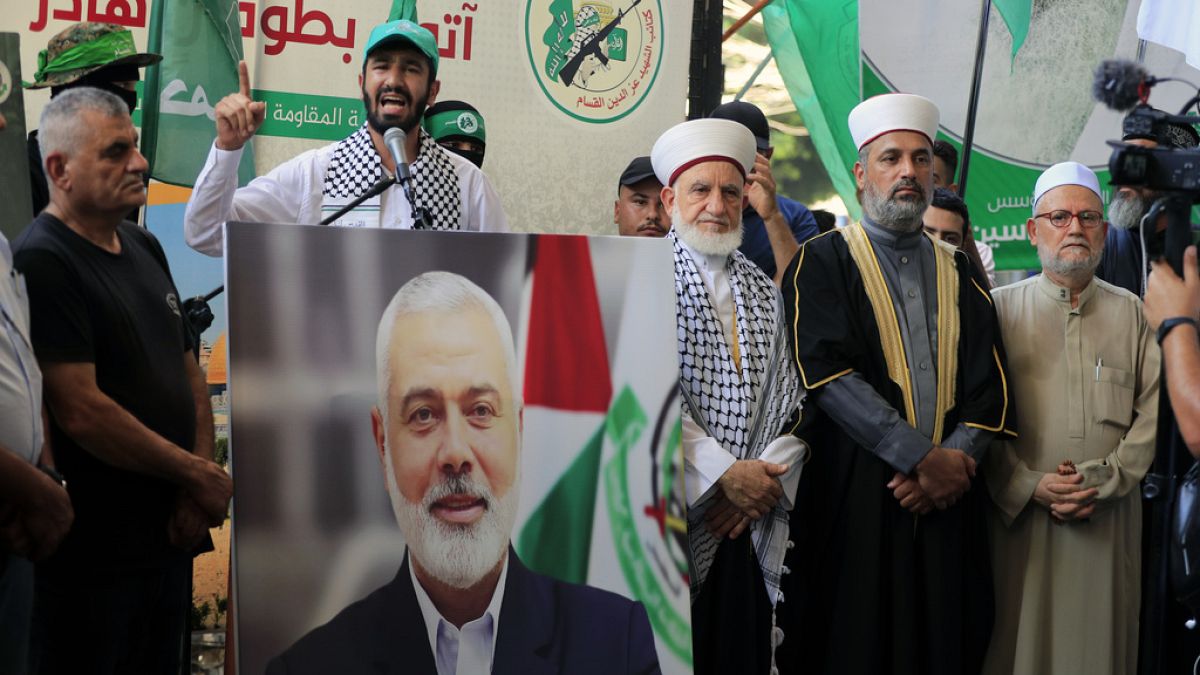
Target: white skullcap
x: 704, y: 140
x: 1066, y: 173
x: 886, y: 113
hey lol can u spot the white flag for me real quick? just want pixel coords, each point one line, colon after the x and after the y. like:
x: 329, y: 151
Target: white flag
x: 1174, y: 24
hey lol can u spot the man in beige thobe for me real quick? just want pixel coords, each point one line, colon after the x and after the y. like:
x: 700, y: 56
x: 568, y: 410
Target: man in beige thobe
x: 1067, y: 519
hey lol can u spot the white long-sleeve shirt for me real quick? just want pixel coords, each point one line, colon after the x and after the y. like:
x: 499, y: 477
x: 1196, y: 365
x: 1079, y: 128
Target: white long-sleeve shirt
x: 292, y: 193
x: 705, y: 460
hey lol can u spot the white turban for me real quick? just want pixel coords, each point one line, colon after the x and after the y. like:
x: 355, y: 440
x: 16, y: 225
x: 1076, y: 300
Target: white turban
x: 705, y: 140
x: 1066, y: 173
x: 886, y: 113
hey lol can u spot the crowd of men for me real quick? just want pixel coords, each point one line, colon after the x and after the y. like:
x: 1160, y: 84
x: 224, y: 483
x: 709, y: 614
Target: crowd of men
x: 890, y: 465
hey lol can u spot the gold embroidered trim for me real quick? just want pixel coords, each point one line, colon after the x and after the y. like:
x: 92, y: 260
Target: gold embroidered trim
x: 885, y: 313
x: 796, y: 322
x: 979, y: 288
x: 1003, y: 411
x: 948, y: 334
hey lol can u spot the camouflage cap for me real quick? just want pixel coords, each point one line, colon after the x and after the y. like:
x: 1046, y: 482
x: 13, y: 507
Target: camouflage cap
x: 83, y: 48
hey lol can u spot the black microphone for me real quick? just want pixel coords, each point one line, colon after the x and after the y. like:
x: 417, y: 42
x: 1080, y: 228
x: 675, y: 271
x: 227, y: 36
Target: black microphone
x: 394, y: 139
x: 1119, y: 84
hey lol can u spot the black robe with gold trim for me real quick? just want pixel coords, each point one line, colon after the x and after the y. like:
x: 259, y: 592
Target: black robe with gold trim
x: 873, y: 588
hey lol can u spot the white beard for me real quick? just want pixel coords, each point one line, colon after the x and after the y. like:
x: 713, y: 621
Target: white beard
x: 705, y: 243
x: 456, y: 555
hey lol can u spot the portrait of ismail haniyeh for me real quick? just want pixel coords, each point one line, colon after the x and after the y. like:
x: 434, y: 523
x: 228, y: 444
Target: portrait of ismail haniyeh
x: 448, y: 430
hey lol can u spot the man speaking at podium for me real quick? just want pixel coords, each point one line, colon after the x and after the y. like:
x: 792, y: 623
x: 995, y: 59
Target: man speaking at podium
x: 398, y: 81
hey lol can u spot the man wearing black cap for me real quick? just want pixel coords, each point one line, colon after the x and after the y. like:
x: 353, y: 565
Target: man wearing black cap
x: 87, y: 54
x: 639, y: 211
x: 773, y: 226
x: 1123, y: 263
x: 458, y: 127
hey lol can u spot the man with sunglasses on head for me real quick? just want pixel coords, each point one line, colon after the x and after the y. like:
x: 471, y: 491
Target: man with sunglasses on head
x: 398, y: 81
x: 1067, y: 520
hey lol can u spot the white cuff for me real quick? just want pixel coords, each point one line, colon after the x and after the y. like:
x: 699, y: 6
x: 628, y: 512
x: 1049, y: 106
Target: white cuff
x: 793, y: 452
x: 705, y: 461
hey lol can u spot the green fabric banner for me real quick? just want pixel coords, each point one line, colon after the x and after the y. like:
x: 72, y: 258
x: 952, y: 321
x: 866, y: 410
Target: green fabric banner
x: 201, y: 44
x: 815, y: 43
x: 1016, y: 14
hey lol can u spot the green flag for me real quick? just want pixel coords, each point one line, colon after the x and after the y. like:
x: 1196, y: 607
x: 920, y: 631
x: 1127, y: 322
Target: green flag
x: 558, y: 36
x: 1016, y: 15
x: 403, y: 9
x: 201, y: 44
x: 815, y: 43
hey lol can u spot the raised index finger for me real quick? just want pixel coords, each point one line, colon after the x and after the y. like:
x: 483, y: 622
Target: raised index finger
x: 243, y: 79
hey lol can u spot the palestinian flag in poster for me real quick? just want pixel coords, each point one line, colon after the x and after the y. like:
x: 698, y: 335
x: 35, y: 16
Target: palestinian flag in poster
x: 612, y: 494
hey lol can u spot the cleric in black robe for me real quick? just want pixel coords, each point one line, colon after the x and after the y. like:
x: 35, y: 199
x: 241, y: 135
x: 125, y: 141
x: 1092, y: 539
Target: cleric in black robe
x: 897, y: 343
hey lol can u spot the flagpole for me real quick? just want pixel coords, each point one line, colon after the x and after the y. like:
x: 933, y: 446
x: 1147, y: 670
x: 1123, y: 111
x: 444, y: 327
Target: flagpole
x: 973, y: 103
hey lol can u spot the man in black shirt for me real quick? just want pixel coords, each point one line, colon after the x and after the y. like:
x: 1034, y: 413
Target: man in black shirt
x: 130, y: 418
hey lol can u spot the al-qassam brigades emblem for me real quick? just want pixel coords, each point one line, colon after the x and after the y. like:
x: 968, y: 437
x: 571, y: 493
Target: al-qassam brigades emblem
x: 594, y: 59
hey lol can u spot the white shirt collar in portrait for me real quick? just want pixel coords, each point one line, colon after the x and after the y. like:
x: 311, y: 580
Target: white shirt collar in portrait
x: 465, y: 651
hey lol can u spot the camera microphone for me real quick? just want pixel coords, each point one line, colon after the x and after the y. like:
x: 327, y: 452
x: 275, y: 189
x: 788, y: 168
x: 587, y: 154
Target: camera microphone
x: 1121, y: 84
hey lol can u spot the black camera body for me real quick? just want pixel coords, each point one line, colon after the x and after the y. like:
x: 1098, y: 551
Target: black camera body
x: 1165, y: 168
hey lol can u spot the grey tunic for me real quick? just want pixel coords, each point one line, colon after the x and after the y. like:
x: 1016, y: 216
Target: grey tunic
x: 907, y: 263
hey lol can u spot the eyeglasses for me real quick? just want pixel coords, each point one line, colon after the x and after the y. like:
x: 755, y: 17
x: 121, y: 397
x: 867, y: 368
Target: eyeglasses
x: 1062, y: 218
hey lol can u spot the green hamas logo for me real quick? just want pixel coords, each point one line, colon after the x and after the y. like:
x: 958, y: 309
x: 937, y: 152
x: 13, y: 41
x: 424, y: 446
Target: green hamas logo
x: 467, y: 123
x: 6, y: 82
x: 594, y: 59
x: 644, y: 493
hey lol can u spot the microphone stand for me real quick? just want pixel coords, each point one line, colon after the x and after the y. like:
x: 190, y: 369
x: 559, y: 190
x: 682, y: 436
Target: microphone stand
x: 376, y: 189
x: 420, y: 215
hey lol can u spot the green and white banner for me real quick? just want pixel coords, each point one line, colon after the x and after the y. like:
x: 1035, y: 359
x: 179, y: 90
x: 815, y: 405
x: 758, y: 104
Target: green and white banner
x: 611, y: 495
x: 1035, y: 106
x: 571, y: 90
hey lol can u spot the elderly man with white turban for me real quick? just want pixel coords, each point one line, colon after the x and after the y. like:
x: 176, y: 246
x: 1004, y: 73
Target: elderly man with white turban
x: 739, y: 392
x: 896, y: 342
x: 1067, y: 522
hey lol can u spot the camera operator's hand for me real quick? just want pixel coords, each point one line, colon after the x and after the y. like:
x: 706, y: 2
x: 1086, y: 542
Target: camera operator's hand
x: 1169, y: 296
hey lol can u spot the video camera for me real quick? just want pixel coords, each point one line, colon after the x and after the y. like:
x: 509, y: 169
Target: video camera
x: 1175, y: 172
x: 1164, y: 168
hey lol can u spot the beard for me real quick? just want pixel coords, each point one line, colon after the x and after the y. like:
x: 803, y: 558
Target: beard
x: 1069, y: 268
x: 706, y: 243
x: 1127, y: 208
x: 456, y: 555
x: 406, y: 122
x: 898, y: 215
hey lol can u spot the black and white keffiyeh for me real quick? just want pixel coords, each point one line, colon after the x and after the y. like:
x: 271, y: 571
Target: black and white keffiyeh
x: 730, y: 403
x: 355, y: 167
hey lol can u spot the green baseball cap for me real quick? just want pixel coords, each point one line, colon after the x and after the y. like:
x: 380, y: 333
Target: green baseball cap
x: 403, y: 30
x: 83, y: 48
x: 454, y: 120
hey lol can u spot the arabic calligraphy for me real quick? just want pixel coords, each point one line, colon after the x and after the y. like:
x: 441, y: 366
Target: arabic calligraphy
x: 1022, y: 202
x: 197, y: 106
x: 452, y: 22
x: 273, y: 24
x: 310, y: 115
x: 1001, y: 233
x: 120, y: 12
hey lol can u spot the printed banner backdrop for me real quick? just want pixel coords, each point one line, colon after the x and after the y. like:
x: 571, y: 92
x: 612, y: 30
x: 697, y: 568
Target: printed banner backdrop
x: 601, y: 492
x: 15, y: 211
x: 571, y: 90
x: 1035, y: 104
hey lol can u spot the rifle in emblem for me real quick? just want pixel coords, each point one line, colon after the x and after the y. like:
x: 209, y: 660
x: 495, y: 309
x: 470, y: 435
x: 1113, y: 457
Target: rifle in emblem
x: 592, y: 46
